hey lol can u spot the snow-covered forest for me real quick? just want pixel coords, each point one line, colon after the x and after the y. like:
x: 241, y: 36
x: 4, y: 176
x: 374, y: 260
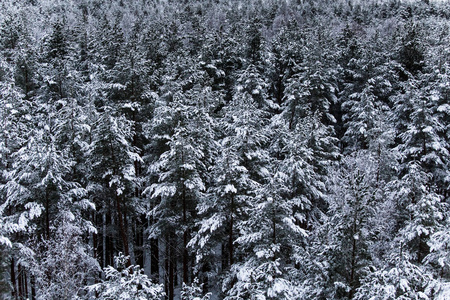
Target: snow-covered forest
x: 224, y: 149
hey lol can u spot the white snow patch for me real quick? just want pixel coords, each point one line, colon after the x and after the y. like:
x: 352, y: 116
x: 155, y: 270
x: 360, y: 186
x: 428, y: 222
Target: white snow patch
x: 445, y: 292
x: 229, y: 188
x: 443, y: 108
x: 244, y: 274
x: 278, y: 288
x: 5, y: 241
x: 404, y: 285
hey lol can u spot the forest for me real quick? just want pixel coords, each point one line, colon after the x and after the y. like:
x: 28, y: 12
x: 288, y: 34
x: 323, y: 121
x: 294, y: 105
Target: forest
x: 224, y: 149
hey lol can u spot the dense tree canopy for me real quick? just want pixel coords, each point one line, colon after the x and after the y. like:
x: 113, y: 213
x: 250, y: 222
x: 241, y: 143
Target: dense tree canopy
x: 227, y: 149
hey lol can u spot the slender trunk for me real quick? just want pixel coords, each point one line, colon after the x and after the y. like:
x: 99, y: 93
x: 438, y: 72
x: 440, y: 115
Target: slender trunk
x: 94, y: 237
x: 279, y: 84
x: 25, y: 279
x: 154, y: 251
x: 122, y: 229
x: 20, y: 281
x: 274, y: 235
x: 60, y: 83
x: 137, y: 166
x: 33, y: 288
x: 185, y: 258
x: 292, y: 117
x: 121, y: 218
x: 171, y: 274
x: 154, y: 260
x: 13, y: 278
x: 26, y: 84
x: 6, y: 146
x: 139, y: 224
x: 166, y: 268
x: 424, y: 142
x: 230, y: 238
x: 274, y: 231
x: 274, y: 225
x: 185, y: 239
x: 104, y: 239
x: 129, y: 235
x: 379, y: 164
x: 352, y: 272
x: 423, y: 249
x: 224, y: 254
x: 137, y: 192
x: 185, y: 233
x: 353, y: 258
x: 47, y: 213
x: 112, y: 241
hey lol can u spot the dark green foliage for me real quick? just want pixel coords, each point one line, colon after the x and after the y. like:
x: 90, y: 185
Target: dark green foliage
x: 57, y: 44
x: 271, y: 149
x: 411, y: 53
x: 4, y: 271
x: 10, y: 31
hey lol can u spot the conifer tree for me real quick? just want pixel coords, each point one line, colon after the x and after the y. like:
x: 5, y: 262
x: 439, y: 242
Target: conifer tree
x: 352, y: 202
x: 183, y: 139
x: 112, y: 157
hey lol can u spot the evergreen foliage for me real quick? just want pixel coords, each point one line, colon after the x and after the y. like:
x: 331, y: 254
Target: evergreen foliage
x: 231, y: 149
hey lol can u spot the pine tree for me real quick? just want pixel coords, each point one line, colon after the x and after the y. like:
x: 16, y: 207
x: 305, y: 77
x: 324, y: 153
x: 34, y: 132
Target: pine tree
x: 237, y: 173
x: 63, y: 264
x: 309, y: 90
x: 411, y: 52
x: 112, y: 157
x: 183, y: 129
x: 418, y: 215
x: 270, y: 236
x: 420, y: 130
x: 352, y: 202
x: 363, y: 114
x: 286, y: 51
x: 124, y: 282
x: 420, y: 211
x: 193, y: 292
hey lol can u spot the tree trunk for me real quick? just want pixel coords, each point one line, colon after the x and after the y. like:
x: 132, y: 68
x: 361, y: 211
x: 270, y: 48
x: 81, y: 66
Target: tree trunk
x: 225, y: 256
x: 185, y: 240
x: 129, y: 235
x: 13, y: 278
x: 171, y: 274
x: 154, y: 260
x: 154, y: 251
x: 20, y: 281
x: 27, y: 90
x: 353, y: 258
x: 122, y: 229
x: 139, y: 230
x: 274, y: 226
x: 25, y: 280
x: 170, y: 268
x: 112, y: 248
x: 230, y: 238
x: 352, y: 272
x: 185, y: 258
x: 33, y: 288
x: 94, y: 238
x: 47, y: 213
x: 274, y: 234
x: 166, y: 268
x: 104, y: 249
